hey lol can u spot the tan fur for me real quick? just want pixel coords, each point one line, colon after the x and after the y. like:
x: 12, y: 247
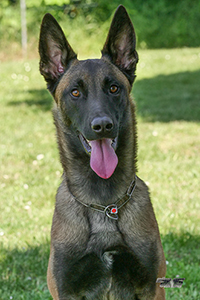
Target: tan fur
x: 50, y: 278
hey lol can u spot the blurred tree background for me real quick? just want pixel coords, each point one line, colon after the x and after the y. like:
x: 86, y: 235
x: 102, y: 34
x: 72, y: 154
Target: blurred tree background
x: 158, y: 23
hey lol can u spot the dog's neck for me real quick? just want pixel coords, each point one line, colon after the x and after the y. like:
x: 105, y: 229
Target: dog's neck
x: 98, y: 191
x: 111, y: 210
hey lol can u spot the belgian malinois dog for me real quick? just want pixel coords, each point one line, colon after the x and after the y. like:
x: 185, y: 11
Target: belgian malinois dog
x: 105, y: 242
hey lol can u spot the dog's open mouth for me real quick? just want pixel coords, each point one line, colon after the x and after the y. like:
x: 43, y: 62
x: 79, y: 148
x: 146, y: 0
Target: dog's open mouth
x: 103, y: 159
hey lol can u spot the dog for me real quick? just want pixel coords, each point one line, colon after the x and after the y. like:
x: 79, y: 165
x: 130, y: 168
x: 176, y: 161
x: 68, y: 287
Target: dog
x: 105, y: 241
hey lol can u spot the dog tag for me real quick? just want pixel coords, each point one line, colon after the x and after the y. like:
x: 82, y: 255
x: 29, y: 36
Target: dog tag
x: 111, y: 211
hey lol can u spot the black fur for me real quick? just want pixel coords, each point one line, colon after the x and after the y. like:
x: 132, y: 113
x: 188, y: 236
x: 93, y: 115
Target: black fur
x: 94, y: 257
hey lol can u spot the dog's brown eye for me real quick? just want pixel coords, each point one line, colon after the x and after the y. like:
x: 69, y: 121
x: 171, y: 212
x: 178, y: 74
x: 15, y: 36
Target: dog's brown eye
x: 113, y: 89
x: 75, y: 93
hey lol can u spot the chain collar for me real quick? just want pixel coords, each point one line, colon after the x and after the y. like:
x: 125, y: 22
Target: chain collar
x: 111, y: 210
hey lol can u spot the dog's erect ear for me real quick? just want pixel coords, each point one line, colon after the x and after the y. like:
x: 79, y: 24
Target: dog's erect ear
x: 120, y: 44
x: 55, y: 51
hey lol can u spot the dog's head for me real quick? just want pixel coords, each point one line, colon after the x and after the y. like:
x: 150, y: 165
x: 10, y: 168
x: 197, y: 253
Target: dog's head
x: 92, y: 95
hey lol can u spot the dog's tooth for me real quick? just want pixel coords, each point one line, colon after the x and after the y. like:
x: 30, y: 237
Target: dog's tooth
x: 114, y: 143
x: 88, y: 142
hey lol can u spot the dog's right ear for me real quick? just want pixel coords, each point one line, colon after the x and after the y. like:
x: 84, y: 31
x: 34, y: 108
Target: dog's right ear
x: 55, y: 51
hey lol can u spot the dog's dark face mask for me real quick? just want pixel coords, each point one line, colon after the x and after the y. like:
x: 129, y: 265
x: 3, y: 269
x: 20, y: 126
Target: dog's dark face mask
x: 93, y: 106
x: 92, y: 95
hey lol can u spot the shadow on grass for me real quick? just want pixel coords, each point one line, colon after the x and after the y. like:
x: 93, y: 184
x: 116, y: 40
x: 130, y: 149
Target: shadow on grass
x: 23, y: 272
x: 41, y: 99
x: 163, y: 98
x: 182, y: 253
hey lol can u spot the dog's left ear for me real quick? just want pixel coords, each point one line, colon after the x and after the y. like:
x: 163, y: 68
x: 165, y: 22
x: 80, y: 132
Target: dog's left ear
x: 120, y: 44
x: 55, y: 51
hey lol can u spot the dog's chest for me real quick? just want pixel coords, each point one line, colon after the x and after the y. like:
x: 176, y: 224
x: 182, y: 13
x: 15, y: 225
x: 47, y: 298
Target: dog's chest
x: 104, y: 233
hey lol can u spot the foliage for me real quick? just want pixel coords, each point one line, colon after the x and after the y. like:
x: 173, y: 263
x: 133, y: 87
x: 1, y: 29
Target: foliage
x: 158, y: 23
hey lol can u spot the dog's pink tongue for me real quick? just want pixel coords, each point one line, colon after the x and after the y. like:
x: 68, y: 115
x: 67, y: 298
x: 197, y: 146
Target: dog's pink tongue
x: 103, y: 160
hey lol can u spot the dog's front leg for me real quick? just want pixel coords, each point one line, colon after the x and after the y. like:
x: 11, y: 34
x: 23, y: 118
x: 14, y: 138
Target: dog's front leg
x: 51, y: 281
x: 56, y: 276
x: 77, y: 278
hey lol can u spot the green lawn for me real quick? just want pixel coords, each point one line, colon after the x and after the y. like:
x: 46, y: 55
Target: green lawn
x: 167, y: 92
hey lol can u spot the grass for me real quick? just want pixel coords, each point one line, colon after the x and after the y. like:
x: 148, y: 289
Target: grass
x: 167, y: 96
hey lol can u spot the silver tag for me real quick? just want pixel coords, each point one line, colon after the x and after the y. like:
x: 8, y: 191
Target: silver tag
x: 111, y: 211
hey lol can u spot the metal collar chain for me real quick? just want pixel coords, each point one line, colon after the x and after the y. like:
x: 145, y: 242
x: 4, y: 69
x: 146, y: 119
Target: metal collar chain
x: 111, y: 211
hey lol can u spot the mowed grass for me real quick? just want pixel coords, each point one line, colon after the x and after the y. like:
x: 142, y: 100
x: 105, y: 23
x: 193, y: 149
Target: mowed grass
x: 167, y: 93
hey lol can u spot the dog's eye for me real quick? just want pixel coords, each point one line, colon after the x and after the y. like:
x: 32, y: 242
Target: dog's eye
x: 75, y: 93
x: 114, y: 89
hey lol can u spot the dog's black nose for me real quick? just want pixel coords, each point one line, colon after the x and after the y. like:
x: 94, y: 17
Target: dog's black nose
x: 102, y: 124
